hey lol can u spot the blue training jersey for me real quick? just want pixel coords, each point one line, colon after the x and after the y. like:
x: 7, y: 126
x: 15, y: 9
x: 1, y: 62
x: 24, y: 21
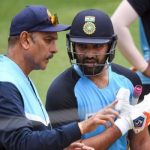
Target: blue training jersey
x: 73, y: 97
x: 91, y: 99
x: 27, y: 89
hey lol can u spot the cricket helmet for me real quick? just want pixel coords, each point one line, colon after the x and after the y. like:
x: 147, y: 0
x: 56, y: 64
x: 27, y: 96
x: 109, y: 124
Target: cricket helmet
x: 92, y: 27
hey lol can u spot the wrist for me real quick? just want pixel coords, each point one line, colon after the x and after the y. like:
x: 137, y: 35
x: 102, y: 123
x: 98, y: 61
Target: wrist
x: 123, y: 125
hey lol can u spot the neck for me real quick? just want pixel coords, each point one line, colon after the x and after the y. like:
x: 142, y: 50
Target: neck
x: 101, y: 80
x: 19, y: 60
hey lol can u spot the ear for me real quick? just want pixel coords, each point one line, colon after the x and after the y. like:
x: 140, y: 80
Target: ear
x: 25, y: 39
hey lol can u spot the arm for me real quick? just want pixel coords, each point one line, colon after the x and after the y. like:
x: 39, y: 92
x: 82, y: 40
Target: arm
x: 108, y: 137
x: 19, y: 133
x: 132, y: 117
x: 121, y: 22
x: 105, y: 139
x: 139, y: 141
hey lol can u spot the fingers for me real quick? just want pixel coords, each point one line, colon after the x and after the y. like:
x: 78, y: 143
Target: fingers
x: 106, y: 120
x: 112, y: 105
x: 102, y: 117
x: 79, y: 146
x: 87, y: 148
x: 109, y: 111
x: 76, y: 145
x: 107, y: 116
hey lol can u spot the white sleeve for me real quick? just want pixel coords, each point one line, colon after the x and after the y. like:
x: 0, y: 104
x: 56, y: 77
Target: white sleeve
x: 122, y: 18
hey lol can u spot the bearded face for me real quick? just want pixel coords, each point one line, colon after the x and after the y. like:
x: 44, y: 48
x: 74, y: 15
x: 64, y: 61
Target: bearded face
x: 91, y: 58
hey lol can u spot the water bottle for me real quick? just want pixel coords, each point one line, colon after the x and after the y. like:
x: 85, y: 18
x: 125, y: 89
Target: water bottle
x: 136, y: 94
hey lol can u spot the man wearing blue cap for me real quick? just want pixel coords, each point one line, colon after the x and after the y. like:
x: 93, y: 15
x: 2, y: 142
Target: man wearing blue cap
x: 24, y: 122
x: 93, y: 82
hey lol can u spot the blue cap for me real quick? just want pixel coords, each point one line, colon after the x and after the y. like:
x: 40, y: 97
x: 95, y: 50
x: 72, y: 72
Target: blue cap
x: 35, y: 18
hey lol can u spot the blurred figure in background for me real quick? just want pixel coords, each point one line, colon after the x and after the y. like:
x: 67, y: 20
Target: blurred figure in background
x: 124, y: 16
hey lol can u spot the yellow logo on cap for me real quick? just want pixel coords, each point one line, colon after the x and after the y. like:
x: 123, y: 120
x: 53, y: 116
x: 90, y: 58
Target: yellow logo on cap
x: 53, y: 18
x: 89, y: 26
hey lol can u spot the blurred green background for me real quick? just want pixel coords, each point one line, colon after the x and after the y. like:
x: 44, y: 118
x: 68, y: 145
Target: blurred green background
x: 66, y: 10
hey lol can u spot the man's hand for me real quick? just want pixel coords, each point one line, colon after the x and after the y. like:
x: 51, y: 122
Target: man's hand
x: 78, y: 146
x: 147, y: 71
x: 135, y: 117
x: 102, y: 117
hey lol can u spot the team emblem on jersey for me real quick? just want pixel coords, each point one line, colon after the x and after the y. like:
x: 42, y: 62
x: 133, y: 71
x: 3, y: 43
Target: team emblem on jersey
x: 139, y: 122
x: 89, y: 26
